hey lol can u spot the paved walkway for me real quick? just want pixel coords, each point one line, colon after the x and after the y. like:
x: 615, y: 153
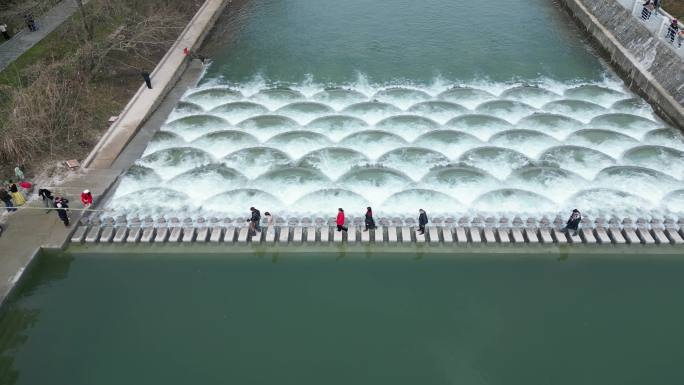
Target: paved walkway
x: 24, y: 40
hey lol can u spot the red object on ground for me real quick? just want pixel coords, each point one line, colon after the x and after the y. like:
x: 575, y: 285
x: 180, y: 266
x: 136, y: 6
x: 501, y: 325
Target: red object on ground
x: 25, y: 185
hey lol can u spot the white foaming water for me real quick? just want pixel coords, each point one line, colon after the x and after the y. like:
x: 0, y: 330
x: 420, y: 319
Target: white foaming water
x: 481, y: 148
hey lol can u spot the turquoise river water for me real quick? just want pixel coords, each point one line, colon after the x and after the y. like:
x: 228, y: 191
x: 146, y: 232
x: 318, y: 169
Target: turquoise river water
x: 460, y: 107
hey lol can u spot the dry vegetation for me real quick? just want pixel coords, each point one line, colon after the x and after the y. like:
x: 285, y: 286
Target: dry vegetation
x: 674, y: 8
x: 56, y: 104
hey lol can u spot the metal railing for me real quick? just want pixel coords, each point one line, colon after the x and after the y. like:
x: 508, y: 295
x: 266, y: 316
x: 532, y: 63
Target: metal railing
x: 658, y: 22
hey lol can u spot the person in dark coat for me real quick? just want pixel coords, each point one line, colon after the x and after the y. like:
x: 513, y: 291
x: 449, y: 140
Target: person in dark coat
x: 7, y: 199
x: 340, y: 220
x: 146, y: 76
x: 48, y: 199
x: 62, y: 205
x: 422, y: 221
x: 573, y: 222
x: 370, y: 222
x: 254, y: 221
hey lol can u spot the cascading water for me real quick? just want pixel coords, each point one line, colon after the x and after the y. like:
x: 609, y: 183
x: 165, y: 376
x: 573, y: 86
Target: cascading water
x: 488, y: 148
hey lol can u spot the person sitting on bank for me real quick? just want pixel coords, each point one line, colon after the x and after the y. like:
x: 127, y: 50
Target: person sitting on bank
x: 340, y: 220
x: 370, y: 222
x: 422, y: 221
x: 573, y: 222
x: 86, y: 199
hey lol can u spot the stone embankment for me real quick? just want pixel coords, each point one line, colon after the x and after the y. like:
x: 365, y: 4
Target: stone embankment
x: 650, y: 64
x: 449, y: 231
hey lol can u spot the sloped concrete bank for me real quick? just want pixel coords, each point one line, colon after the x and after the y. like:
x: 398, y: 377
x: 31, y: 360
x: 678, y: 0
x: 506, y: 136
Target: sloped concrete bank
x: 30, y: 231
x: 650, y: 67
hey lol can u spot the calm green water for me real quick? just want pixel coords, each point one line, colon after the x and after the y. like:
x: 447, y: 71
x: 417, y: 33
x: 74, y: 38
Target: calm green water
x: 332, y: 41
x: 141, y: 319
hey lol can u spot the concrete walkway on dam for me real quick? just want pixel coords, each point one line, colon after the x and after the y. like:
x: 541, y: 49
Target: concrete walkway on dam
x: 25, y: 39
x: 29, y: 230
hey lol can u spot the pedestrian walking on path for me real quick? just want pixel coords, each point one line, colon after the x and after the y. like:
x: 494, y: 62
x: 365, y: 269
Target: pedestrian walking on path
x: 269, y: 219
x: 48, y: 199
x: 422, y: 221
x: 146, y: 76
x: 17, y: 197
x: 370, y: 222
x: 62, y: 205
x: 3, y: 30
x: 86, y: 199
x: 340, y: 220
x: 7, y: 199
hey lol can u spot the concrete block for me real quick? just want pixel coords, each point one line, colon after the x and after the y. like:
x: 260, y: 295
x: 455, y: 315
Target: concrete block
x: 504, y: 236
x: 338, y: 236
x: 475, y: 235
x: 107, y: 234
x: 311, y: 235
x: 352, y: 236
x: 645, y: 236
x: 489, y: 235
x: 243, y: 235
x: 659, y: 236
x: 270, y: 235
x: 531, y: 236
x: 365, y: 236
x: 587, y: 236
x: 202, y: 234
x: 297, y: 235
x: 216, y: 234
x: 159, y: 235
x: 121, y: 233
x: 380, y: 235
x: 545, y: 236
x: 188, y: 234
x: 420, y: 238
x: 93, y: 234
x: 616, y: 236
x: 630, y: 235
x: 674, y: 237
x: 517, y: 235
x: 134, y: 234
x: 230, y: 235
x: 80, y: 234
x: 433, y: 234
x: 559, y: 237
x: 461, y: 237
x: 392, y: 237
x: 175, y: 234
x: 447, y: 235
x: 324, y: 234
x: 405, y: 234
x: 602, y: 236
x: 574, y: 239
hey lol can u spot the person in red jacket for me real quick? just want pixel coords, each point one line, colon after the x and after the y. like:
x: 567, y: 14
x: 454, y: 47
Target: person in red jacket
x: 86, y: 198
x: 340, y: 220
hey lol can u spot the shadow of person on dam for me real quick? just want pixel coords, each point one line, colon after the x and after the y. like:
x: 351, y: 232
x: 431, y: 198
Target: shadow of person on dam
x: 17, y: 314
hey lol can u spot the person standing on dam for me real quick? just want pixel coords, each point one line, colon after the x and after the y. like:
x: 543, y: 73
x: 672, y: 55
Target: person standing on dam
x: 370, y: 222
x: 422, y: 221
x: 573, y: 222
x: 340, y: 220
x: 254, y: 221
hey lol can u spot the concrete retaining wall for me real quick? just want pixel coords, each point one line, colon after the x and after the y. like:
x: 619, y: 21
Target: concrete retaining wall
x: 164, y: 77
x: 652, y: 68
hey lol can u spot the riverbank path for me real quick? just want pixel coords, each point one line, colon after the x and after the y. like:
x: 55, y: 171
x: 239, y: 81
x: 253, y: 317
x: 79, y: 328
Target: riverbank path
x: 25, y: 39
